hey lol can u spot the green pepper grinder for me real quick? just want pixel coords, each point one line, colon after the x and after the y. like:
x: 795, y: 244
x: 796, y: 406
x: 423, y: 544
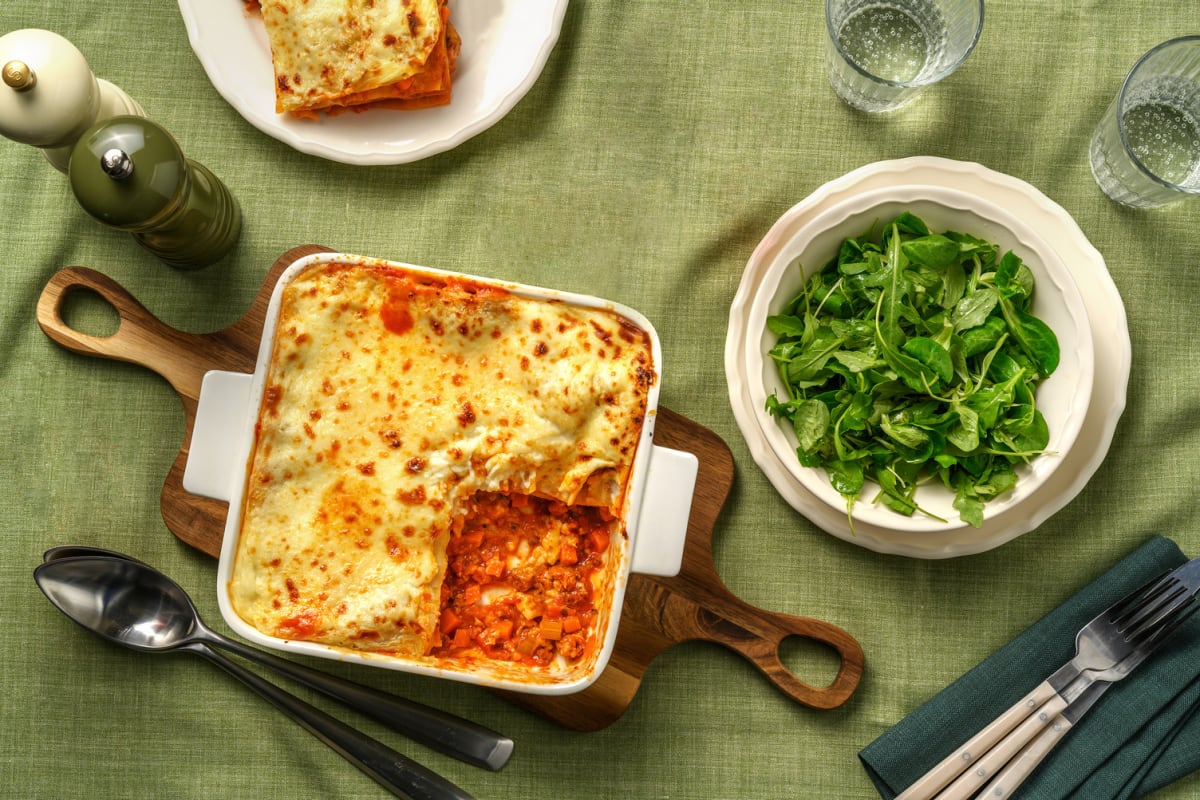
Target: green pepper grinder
x: 130, y: 174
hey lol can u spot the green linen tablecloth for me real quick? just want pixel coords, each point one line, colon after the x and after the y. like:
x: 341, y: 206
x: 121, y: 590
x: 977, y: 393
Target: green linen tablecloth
x: 658, y: 146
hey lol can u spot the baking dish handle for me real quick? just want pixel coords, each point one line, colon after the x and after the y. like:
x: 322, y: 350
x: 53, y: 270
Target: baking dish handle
x: 219, y: 427
x: 662, y: 523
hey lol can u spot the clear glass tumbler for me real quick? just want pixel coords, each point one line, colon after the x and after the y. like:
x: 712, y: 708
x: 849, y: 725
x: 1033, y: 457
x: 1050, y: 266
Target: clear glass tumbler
x: 1146, y: 150
x: 880, y: 54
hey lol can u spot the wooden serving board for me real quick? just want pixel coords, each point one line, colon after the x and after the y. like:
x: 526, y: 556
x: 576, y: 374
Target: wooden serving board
x: 658, y: 612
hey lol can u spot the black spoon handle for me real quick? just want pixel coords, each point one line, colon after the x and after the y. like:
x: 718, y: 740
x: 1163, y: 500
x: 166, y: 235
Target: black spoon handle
x: 445, y: 732
x: 397, y: 773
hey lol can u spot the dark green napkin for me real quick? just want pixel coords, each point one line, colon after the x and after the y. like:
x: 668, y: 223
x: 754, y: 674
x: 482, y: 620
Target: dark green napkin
x: 1142, y: 735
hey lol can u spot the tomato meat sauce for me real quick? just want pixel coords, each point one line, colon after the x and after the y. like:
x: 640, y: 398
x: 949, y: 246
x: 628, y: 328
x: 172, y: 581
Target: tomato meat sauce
x: 521, y: 579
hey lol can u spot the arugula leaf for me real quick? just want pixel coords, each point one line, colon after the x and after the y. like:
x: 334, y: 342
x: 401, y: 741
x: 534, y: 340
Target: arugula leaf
x: 847, y: 477
x: 933, y: 250
x: 811, y: 421
x: 982, y: 338
x: 1035, y: 338
x: 973, y: 309
x: 931, y: 355
x: 964, y: 433
x: 908, y: 223
x: 969, y: 507
x: 954, y: 286
x: 785, y: 325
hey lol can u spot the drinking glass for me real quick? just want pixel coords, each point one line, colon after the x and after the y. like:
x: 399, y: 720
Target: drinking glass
x: 1146, y: 150
x: 880, y: 54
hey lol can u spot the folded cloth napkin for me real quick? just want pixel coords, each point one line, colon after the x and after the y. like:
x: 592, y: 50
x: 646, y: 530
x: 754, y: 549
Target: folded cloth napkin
x: 1141, y: 736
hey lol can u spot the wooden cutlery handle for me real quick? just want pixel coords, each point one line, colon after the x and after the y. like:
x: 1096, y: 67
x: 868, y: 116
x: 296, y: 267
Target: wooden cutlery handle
x: 953, y: 765
x: 1020, y: 768
x: 993, y: 760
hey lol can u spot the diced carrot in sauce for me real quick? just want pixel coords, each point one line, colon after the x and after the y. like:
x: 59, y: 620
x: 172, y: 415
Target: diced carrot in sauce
x: 450, y: 620
x: 462, y: 638
x: 568, y: 555
x: 571, y: 624
x: 470, y: 541
x: 503, y: 629
x: 598, y: 540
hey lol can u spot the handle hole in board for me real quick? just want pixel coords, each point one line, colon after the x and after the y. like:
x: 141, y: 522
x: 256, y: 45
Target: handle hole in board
x: 814, y: 663
x: 86, y: 311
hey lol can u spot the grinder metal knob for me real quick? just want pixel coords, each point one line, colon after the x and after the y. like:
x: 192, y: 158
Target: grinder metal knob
x: 19, y: 76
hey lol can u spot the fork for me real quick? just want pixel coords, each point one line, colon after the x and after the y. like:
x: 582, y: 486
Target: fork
x: 1138, y: 619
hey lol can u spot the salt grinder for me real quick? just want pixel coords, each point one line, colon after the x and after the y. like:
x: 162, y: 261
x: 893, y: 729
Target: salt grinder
x: 130, y: 174
x: 50, y: 95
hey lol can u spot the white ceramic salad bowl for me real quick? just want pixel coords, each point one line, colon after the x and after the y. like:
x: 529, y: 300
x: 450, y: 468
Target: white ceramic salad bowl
x: 1062, y: 398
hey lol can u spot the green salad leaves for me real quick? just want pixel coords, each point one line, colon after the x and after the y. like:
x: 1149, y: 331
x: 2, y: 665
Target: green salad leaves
x: 913, y: 356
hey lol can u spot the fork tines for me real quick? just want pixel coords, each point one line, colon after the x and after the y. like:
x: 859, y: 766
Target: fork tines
x: 1155, y: 610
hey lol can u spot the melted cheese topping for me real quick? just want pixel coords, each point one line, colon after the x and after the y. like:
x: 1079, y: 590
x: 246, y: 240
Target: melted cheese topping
x: 392, y: 397
x: 327, y: 50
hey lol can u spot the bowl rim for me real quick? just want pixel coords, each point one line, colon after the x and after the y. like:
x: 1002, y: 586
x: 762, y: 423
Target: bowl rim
x: 769, y: 295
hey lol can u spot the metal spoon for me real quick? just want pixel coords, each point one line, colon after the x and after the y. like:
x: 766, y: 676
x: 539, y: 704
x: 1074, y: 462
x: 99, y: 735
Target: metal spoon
x: 73, y: 550
x: 444, y: 732
x: 133, y: 605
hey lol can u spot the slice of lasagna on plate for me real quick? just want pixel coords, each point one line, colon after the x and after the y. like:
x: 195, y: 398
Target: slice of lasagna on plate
x: 333, y: 55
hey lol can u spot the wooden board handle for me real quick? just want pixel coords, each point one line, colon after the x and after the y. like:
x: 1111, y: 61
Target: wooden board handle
x: 757, y: 636
x: 140, y: 338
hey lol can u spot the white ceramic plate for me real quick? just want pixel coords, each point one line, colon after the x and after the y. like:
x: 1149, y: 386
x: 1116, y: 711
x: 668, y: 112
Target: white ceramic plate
x: 1107, y: 320
x: 505, y: 44
x: 1062, y: 398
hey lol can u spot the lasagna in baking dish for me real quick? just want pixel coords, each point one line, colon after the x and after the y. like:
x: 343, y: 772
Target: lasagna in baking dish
x: 440, y: 467
x: 330, y: 55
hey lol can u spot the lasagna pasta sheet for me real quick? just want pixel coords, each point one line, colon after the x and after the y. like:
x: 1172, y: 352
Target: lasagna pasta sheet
x: 392, y: 398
